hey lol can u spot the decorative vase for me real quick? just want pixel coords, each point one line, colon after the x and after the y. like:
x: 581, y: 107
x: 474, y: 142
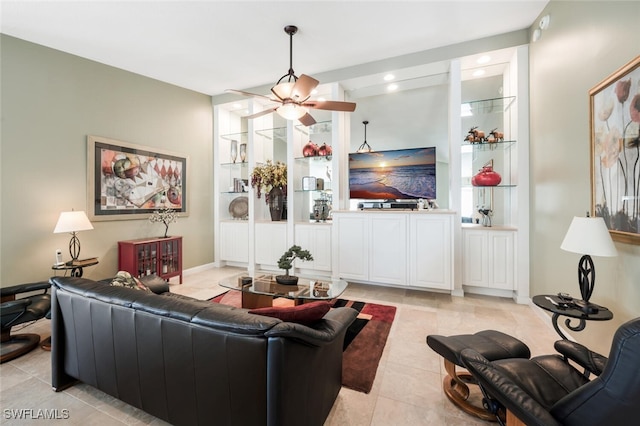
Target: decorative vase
x: 234, y: 151
x: 243, y: 152
x: 310, y: 149
x: 324, y: 150
x: 486, y: 177
x: 287, y: 279
x: 276, y: 203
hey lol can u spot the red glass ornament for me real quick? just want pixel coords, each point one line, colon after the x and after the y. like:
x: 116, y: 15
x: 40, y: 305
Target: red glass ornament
x: 486, y: 177
x: 310, y: 149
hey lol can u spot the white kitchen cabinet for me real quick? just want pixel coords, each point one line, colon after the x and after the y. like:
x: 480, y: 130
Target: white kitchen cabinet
x: 317, y: 239
x: 350, y: 246
x: 488, y: 258
x: 235, y: 235
x: 270, y: 242
x: 430, y: 248
x: 387, y: 248
x: 404, y: 249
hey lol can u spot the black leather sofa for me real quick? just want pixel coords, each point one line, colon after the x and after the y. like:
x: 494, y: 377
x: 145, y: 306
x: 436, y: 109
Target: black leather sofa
x: 193, y: 362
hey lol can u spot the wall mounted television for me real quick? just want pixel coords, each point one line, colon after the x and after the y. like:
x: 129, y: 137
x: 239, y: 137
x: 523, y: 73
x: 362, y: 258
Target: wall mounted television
x: 398, y: 174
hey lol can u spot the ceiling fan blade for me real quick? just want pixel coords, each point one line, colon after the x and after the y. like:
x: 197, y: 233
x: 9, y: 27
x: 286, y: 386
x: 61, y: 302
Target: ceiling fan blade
x: 303, y: 87
x: 261, y: 113
x: 331, y: 105
x: 307, y: 120
x: 243, y: 93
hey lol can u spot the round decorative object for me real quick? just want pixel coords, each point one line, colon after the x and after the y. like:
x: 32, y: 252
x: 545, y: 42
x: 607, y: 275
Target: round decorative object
x: 486, y: 177
x: 310, y: 149
x: 239, y: 207
x: 325, y: 150
x: 287, y: 279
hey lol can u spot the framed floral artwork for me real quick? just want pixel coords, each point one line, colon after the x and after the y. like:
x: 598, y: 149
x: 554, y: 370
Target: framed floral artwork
x: 615, y: 152
x: 127, y: 181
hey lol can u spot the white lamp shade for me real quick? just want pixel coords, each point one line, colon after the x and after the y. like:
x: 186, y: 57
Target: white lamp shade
x: 72, y: 222
x: 589, y: 235
x: 291, y: 111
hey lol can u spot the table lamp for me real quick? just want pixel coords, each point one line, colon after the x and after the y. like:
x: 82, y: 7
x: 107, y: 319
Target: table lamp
x: 73, y: 222
x: 588, y: 236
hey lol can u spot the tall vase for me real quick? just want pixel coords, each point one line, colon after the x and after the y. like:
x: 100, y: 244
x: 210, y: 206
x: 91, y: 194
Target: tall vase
x: 243, y: 152
x: 234, y: 151
x: 276, y: 203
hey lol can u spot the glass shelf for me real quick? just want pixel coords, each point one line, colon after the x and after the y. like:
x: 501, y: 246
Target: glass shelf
x: 320, y: 127
x: 275, y: 133
x: 240, y: 137
x: 489, y: 106
x: 486, y: 146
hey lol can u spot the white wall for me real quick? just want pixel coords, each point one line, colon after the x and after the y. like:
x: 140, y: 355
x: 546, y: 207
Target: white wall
x: 51, y: 101
x: 585, y: 43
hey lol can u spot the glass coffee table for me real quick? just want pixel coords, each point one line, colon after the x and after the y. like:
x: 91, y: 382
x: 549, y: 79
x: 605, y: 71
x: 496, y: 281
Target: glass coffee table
x: 260, y: 288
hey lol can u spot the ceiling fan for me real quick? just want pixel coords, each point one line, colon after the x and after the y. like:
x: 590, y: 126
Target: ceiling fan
x: 293, y: 93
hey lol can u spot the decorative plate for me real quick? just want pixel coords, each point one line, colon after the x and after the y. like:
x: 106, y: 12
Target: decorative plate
x: 239, y: 207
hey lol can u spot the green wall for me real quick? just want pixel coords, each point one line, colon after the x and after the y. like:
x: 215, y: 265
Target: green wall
x: 51, y: 101
x: 585, y: 43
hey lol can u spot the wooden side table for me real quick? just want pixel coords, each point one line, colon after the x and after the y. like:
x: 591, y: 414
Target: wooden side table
x: 559, y: 307
x: 75, y: 266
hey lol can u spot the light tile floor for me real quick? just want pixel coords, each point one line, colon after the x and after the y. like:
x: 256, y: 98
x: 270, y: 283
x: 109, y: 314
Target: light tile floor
x: 408, y: 385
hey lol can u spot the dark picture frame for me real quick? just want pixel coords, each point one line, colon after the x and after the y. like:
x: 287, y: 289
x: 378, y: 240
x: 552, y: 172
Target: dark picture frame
x: 129, y: 181
x: 614, y: 120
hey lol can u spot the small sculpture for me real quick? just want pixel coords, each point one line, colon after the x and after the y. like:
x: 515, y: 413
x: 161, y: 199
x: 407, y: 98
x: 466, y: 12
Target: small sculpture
x: 495, y: 136
x: 475, y: 135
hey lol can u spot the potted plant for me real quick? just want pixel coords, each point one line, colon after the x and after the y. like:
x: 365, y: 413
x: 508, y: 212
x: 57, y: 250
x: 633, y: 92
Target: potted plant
x: 165, y: 216
x: 271, y: 178
x: 286, y: 262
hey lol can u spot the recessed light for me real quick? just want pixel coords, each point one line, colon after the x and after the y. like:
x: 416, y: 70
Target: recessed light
x: 544, y: 22
x: 392, y: 87
x: 389, y: 77
x: 321, y: 99
x: 314, y: 92
x: 478, y: 73
x: 237, y: 106
x: 483, y: 59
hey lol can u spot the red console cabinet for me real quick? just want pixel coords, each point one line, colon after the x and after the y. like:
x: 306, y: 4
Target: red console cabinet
x: 146, y: 256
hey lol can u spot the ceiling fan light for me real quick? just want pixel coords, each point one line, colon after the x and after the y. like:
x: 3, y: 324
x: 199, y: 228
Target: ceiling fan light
x: 283, y: 90
x: 292, y: 111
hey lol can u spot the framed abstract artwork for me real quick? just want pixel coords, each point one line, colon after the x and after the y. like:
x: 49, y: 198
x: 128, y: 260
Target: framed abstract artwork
x: 127, y: 181
x: 614, y: 110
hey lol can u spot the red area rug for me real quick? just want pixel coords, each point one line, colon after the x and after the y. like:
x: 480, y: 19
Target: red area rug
x: 363, y: 343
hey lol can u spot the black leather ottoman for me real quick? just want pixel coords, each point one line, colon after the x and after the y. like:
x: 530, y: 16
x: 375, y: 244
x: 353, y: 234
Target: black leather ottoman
x: 492, y: 344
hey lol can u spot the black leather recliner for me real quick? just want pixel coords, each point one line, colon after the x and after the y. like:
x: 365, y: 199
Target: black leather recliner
x: 19, y: 311
x: 547, y: 390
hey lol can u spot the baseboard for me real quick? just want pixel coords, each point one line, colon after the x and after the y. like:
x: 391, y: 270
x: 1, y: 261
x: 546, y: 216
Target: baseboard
x: 199, y: 268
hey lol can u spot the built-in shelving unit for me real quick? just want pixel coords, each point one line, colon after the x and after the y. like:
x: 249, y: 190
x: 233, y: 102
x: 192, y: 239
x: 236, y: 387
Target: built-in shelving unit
x: 255, y: 241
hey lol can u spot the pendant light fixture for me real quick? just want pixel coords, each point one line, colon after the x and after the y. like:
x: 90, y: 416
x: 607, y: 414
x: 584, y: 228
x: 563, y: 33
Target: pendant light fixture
x: 365, y: 146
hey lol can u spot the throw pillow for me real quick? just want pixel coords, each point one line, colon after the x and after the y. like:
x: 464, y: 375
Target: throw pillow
x: 306, y: 314
x: 125, y: 279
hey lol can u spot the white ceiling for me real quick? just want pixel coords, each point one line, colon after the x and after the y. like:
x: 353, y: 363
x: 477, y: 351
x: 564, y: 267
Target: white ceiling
x: 210, y: 46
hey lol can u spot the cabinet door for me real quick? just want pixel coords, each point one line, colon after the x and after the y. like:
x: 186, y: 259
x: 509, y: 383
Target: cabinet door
x: 501, y: 248
x: 475, y: 271
x: 234, y: 241
x: 316, y: 239
x: 270, y: 242
x: 352, y: 241
x: 430, y: 251
x: 388, y: 249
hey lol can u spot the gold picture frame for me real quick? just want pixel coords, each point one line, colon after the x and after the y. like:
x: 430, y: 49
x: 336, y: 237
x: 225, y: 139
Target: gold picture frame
x: 614, y: 121
x: 128, y: 181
